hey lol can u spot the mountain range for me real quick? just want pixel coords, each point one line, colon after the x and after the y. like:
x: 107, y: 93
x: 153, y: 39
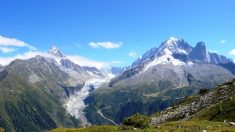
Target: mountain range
x: 49, y: 91
x: 158, y: 79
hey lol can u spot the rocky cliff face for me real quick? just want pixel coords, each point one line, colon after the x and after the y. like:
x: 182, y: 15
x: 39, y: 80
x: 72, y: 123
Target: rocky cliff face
x: 200, y: 53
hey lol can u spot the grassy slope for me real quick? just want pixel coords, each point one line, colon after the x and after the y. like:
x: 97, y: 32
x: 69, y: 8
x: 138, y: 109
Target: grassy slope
x: 178, y: 126
x: 104, y: 128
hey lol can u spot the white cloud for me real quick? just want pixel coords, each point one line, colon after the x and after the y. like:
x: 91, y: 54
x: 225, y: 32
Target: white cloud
x: 27, y: 55
x: 232, y: 52
x: 132, y: 54
x: 6, y: 49
x: 106, y: 45
x: 12, y: 42
x: 223, y: 41
x: 82, y: 61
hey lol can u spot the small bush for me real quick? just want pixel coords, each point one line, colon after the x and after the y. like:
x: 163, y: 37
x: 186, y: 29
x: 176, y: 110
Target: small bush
x: 137, y: 121
x: 203, y: 91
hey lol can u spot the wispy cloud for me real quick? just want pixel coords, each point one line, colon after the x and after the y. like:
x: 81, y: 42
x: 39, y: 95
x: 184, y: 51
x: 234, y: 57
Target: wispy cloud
x: 82, y: 61
x: 232, y: 52
x: 6, y: 49
x: 106, y: 45
x: 7, y: 44
x: 132, y: 54
x: 223, y: 41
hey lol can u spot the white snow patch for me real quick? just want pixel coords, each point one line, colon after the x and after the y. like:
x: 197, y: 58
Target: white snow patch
x: 190, y: 63
x: 166, y: 58
x: 34, y: 78
x: 182, y: 51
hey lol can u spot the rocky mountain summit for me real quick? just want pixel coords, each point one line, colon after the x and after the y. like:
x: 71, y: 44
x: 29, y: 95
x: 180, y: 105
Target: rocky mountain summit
x: 183, y: 51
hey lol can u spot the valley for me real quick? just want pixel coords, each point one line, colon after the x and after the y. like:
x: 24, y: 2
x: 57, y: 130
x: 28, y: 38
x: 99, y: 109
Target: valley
x: 206, y: 111
x: 85, y: 96
x: 117, y: 66
x: 75, y: 104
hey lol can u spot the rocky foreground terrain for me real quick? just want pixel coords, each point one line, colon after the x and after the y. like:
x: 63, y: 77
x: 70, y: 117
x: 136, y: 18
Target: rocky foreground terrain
x: 190, y: 107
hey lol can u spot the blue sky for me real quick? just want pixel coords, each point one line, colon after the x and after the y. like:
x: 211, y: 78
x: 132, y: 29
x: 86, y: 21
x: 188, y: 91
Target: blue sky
x: 82, y: 27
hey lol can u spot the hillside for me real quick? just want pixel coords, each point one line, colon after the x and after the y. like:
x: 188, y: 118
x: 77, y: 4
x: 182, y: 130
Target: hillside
x: 217, y: 105
x: 210, y: 111
x: 28, y: 107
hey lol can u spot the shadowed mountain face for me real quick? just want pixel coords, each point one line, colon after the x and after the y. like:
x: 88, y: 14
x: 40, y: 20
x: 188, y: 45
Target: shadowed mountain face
x: 159, y: 78
x: 199, y: 53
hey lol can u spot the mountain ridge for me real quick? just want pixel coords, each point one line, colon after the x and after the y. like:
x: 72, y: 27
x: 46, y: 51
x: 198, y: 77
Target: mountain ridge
x: 169, y: 73
x: 180, y: 46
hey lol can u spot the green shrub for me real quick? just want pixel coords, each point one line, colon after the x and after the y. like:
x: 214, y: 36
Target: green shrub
x: 137, y: 121
x: 203, y: 91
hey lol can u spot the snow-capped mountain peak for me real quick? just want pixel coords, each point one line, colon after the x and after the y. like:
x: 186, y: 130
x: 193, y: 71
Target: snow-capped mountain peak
x: 171, y: 40
x: 178, y: 52
x: 175, y: 46
x: 55, y: 51
x: 167, y: 48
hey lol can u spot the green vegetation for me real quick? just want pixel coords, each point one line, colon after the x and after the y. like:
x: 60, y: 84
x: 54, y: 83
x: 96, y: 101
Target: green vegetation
x: 195, y: 126
x: 24, y: 107
x: 124, y: 103
x: 137, y: 121
x: 177, y: 126
x: 224, y: 110
x: 203, y: 91
x: 104, y: 128
x: 221, y: 107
